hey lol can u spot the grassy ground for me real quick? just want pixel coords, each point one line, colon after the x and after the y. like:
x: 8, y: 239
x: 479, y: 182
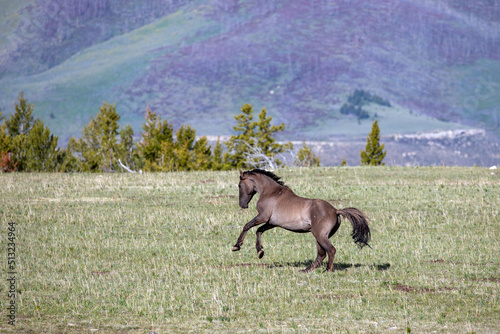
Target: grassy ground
x: 123, y: 253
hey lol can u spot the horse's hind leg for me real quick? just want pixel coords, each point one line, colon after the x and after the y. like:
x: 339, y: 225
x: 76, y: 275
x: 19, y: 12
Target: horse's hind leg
x: 322, y: 231
x: 335, y: 228
x: 258, y: 245
x: 323, y: 244
x: 328, y: 247
x: 319, y: 258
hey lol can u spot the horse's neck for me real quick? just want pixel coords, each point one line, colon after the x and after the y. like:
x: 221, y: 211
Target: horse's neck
x: 266, y: 186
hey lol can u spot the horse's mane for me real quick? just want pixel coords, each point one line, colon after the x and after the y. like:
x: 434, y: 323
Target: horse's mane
x: 271, y: 175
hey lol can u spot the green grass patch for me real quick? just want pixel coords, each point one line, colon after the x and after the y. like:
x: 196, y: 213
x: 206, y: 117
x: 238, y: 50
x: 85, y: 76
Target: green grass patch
x: 477, y: 86
x: 127, y: 253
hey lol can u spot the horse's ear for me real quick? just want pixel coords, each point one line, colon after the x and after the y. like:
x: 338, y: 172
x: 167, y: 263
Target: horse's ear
x: 241, y: 173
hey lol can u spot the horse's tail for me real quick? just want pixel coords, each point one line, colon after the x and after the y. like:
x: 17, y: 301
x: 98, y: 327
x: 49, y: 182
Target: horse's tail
x: 360, y: 230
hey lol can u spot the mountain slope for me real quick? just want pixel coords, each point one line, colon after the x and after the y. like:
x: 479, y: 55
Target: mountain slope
x: 36, y: 36
x: 198, y: 62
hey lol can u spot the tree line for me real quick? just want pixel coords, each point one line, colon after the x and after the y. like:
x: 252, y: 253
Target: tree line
x: 27, y: 145
x: 356, y: 101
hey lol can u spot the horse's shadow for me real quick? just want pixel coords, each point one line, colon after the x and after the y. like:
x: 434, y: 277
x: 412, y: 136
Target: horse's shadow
x: 336, y: 266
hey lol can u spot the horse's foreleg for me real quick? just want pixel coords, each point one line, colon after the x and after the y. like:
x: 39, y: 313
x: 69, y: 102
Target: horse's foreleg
x: 258, y: 245
x: 254, y: 222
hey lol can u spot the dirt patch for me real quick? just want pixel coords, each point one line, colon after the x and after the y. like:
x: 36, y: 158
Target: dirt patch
x: 100, y: 273
x: 249, y: 265
x: 335, y: 296
x: 404, y: 288
x: 408, y: 288
x: 491, y: 279
x: 338, y: 201
x: 219, y: 199
x: 82, y: 199
x: 437, y: 261
x: 488, y: 279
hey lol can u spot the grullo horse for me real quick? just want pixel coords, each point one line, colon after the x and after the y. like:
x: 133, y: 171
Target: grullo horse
x: 279, y: 206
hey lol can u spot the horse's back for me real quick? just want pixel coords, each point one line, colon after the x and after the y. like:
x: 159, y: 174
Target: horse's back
x: 297, y: 213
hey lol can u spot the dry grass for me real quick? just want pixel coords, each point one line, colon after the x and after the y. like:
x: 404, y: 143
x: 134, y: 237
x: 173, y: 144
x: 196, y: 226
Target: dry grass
x: 121, y: 253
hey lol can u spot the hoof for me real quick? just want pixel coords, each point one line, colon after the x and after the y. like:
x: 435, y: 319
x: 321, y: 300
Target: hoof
x: 260, y: 254
x: 306, y: 270
x: 236, y: 248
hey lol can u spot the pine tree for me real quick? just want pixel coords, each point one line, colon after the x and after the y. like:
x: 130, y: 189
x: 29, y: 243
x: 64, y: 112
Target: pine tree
x: 98, y: 148
x: 5, y: 138
x: 41, y: 149
x: 22, y: 120
x: 238, y: 145
x: 183, y: 148
x: 107, y: 124
x: 217, y: 162
x: 253, y: 138
x: 86, y: 148
x: 18, y: 127
x: 189, y: 153
x: 6, y: 162
x: 374, y: 153
x: 265, y: 137
x: 26, y: 143
x: 306, y: 157
x: 67, y: 161
x: 202, y: 154
x: 128, y: 151
x: 158, y: 137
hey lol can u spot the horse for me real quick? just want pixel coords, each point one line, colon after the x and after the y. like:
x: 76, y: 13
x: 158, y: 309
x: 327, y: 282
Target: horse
x: 279, y: 206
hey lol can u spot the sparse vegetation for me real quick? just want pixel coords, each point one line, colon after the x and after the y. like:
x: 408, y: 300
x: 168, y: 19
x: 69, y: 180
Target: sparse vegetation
x: 134, y: 253
x: 306, y: 157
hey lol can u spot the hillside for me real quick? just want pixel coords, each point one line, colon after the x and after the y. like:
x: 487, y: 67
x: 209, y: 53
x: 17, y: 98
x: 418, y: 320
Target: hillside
x: 197, y: 62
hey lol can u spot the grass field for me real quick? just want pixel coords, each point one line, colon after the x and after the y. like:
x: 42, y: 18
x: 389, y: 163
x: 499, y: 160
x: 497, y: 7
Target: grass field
x: 128, y: 253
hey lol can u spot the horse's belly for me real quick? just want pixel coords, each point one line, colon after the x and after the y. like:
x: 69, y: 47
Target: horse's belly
x: 295, y: 225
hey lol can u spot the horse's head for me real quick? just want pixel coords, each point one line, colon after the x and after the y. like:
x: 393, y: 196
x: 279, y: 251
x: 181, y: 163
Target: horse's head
x: 246, y: 189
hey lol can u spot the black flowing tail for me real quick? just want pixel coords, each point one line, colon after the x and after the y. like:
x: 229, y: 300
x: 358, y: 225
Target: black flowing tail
x: 360, y: 230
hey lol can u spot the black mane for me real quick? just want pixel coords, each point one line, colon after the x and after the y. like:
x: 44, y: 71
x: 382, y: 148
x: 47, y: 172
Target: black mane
x: 271, y: 175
